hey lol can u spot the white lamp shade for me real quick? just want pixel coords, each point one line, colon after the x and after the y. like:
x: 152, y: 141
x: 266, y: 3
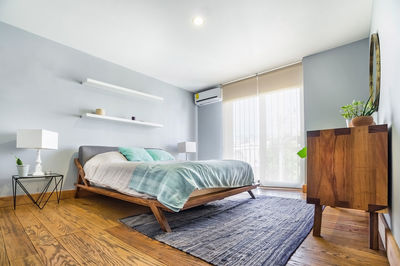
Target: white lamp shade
x: 187, y: 147
x: 37, y: 139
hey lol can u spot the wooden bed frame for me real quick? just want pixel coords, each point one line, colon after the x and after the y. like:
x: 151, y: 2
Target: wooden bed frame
x: 155, y: 206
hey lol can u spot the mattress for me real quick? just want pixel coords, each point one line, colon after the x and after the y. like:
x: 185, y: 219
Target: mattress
x: 172, y: 183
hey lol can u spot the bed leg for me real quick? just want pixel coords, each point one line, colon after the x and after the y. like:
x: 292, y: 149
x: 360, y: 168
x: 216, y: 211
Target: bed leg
x: 251, y: 194
x: 160, y: 218
x: 76, y: 192
x: 78, y: 181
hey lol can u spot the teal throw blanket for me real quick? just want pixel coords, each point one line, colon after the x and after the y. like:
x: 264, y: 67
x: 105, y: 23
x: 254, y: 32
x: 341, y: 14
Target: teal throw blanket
x: 173, y: 182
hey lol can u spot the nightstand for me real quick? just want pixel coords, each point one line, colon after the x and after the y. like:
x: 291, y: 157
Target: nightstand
x: 42, y: 199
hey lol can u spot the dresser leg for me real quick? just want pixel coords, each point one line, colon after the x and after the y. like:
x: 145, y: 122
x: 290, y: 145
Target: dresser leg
x: 373, y: 231
x: 317, y: 220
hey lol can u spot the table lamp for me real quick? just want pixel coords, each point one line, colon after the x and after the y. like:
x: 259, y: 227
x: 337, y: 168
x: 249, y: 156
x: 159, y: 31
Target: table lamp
x: 187, y: 147
x: 37, y: 139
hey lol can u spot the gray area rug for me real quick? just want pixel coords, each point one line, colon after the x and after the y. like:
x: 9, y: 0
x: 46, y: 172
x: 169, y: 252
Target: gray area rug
x: 262, y: 231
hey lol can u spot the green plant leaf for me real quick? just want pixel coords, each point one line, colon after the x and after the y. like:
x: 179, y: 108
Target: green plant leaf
x: 302, y: 153
x: 18, y: 161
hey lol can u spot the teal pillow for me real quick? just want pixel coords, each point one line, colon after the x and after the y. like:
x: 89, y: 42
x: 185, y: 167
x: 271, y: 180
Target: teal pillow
x: 160, y: 155
x: 135, y: 154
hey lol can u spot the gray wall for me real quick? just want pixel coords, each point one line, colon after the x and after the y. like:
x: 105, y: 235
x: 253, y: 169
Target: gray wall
x: 332, y: 79
x: 386, y: 21
x: 210, y: 131
x: 40, y: 88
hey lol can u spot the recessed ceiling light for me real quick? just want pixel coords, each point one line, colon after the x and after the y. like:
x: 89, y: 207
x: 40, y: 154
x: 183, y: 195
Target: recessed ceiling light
x: 198, y: 21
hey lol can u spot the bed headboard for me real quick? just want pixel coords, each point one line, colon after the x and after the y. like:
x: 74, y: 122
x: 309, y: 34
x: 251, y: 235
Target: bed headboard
x: 87, y: 152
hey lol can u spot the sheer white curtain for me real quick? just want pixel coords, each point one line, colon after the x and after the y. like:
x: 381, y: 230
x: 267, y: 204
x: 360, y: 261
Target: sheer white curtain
x: 242, y: 132
x: 265, y: 129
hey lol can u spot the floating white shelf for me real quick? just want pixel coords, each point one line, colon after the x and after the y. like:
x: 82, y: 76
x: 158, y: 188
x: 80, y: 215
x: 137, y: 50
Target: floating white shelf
x: 111, y: 87
x: 124, y: 120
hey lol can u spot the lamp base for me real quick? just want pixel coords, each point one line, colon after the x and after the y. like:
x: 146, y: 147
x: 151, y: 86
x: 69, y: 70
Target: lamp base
x: 37, y: 174
x: 38, y: 167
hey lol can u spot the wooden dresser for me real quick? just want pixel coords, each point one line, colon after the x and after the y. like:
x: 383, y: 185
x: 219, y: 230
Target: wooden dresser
x: 348, y: 168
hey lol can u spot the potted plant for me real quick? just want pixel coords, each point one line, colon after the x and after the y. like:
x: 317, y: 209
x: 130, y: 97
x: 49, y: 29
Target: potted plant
x: 347, y: 112
x: 22, y: 168
x: 359, y: 113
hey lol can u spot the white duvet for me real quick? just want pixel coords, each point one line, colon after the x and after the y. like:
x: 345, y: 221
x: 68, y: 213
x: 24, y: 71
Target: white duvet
x: 112, y: 170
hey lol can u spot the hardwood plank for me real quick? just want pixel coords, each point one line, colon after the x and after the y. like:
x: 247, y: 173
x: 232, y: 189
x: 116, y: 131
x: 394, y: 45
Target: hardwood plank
x: 87, y: 217
x: 303, y: 256
x: 125, y: 250
x: 17, y: 243
x: 74, y: 215
x: 153, y: 248
x: 109, y: 208
x: 351, y: 254
x: 33, y: 260
x: 3, y: 251
x: 101, y: 250
x: 347, y: 219
x: 50, y: 218
x: 46, y: 245
x: 345, y: 227
x: 94, y: 236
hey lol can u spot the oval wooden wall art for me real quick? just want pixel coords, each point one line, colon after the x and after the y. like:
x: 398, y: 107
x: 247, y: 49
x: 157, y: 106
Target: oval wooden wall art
x: 374, y: 53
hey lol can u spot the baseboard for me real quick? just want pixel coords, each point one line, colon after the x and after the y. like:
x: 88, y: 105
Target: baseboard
x: 389, y: 243
x: 7, y: 201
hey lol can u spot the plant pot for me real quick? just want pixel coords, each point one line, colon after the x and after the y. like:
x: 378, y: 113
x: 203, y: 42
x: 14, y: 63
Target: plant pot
x: 348, y: 122
x: 362, y: 121
x: 23, y: 169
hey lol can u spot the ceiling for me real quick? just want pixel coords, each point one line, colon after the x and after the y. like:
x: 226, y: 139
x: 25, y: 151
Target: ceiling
x: 158, y: 38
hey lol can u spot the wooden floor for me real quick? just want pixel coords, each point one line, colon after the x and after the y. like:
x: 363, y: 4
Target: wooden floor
x: 87, y: 231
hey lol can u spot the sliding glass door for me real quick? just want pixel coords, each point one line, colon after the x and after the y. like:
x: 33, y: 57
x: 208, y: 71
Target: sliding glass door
x: 281, y: 138
x: 266, y: 129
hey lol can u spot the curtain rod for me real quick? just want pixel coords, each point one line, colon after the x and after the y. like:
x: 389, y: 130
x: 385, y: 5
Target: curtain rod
x: 259, y: 73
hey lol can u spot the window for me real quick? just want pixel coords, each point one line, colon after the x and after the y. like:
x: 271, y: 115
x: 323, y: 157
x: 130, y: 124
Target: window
x: 266, y: 130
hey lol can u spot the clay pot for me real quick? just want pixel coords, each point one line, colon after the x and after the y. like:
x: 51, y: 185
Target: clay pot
x: 362, y: 121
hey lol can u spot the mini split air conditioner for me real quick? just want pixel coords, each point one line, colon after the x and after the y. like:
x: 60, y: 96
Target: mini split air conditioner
x: 208, y: 96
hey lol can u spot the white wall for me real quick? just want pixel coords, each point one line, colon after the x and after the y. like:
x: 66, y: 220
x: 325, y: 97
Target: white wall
x: 40, y: 88
x: 386, y: 22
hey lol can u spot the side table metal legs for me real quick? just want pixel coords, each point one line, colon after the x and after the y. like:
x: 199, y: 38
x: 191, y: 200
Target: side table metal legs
x: 41, y: 200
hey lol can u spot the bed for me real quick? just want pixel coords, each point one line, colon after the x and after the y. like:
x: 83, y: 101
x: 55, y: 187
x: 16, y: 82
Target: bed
x: 87, y: 181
